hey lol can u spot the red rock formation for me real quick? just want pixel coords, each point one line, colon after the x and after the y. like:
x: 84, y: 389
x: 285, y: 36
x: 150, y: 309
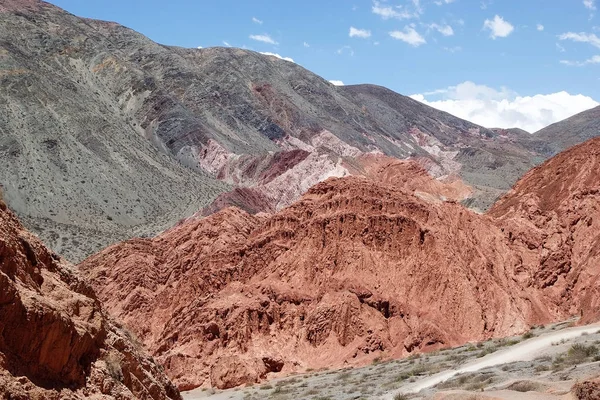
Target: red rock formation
x: 338, y: 278
x: 360, y: 267
x: 55, y: 340
x: 552, y: 217
x: 587, y: 390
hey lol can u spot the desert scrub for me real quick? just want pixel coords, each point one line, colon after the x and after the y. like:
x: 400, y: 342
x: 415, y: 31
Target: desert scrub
x: 2, y: 203
x: 524, y: 386
x: 486, y: 351
x: 580, y: 353
x: 113, y: 365
x: 528, y: 335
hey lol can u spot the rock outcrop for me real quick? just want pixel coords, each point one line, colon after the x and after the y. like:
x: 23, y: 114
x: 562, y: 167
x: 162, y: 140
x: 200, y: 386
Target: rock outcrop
x: 359, y: 267
x: 552, y: 218
x: 56, y: 341
x: 587, y: 390
x: 387, y: 263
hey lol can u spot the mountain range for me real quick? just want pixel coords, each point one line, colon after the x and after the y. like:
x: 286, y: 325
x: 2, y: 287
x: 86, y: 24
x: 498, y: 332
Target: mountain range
x: 107, y: 135
x: 234, y: 217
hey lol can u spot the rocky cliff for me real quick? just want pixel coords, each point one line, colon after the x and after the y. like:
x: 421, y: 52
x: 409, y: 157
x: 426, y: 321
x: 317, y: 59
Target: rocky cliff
x: 358, y: 267
x: 551, y: 217
x: 56, y: 341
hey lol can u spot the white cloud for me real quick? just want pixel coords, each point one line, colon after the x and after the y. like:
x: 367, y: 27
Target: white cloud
x: 506, y: 109
x: 485, y: 4
x: 445, y: 30
x: 360, y: 33
x: 226, y: 44
x: 397, y: 12
x: 581, y: 37
x: 540, y: 27
x: 263, y: 38
x: 498, y: 27
x: 200, y: 47
x: 306, y: 44
x: 257, y: 21
x: 409, y: 35
x: 337, y: 83
x: 589, y: 4
x: 344, y: 49
x: 454, y: 49
x: 440, y: 2
x: 267, y: 53
x: 593, y: 60
x: 560, y: 48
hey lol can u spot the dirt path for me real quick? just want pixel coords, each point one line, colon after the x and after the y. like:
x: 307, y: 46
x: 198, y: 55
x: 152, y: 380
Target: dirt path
x: 524, y: 351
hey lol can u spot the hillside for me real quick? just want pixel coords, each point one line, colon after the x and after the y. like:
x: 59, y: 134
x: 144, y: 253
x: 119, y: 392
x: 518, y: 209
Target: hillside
x: 358, y: 268
x: 56, y: 341
x: 108, y: 135
x: 564, y: 134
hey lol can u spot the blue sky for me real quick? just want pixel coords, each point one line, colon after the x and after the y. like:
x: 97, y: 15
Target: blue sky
x: 457, y: 55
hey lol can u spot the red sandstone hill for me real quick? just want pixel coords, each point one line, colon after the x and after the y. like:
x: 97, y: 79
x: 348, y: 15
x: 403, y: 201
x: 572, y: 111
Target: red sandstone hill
x: 55, y: 340
x: 552, y: 216
x: 359, y: 267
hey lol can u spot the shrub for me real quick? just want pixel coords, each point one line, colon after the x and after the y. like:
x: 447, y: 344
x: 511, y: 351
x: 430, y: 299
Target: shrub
x: 2, y: 203
x: 524, y: 386
x: 579, y: 353
x: 528, y: 335
x: 113, y: 365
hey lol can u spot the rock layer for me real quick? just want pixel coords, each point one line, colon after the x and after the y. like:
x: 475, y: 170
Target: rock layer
x: 55, y: 339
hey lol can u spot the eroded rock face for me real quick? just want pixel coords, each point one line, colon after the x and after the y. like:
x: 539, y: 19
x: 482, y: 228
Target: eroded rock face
x: 55, y: 340
x: 552, y: 217
x: 359, y: 267
x: 588, y: 390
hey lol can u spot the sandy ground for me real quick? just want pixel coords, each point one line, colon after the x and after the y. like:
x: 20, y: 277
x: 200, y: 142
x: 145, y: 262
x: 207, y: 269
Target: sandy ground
x: 540, y: 365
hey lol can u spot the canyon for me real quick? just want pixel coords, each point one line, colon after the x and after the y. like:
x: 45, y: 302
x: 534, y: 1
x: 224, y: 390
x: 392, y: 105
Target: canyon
x: 175, y: 218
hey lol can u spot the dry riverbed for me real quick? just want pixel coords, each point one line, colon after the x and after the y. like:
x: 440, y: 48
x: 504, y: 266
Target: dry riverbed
x: 542, y: 364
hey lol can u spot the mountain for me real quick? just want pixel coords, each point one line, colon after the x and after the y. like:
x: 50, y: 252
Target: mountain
x: 73, y: 165
x: 56, y: 341
x: 357, y: 268
x: 564, y: 134
x: 108, y: 135
x: 554, y: 208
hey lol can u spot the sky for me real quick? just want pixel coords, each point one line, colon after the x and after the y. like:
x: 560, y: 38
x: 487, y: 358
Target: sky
x: 498, y: 63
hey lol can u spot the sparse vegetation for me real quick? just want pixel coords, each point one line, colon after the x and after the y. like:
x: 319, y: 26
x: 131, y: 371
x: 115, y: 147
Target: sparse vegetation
x: 113, y: 365
x: 579, y: 353
x: 528, y: 335
x: 389, y: 376
x: 524, y: 386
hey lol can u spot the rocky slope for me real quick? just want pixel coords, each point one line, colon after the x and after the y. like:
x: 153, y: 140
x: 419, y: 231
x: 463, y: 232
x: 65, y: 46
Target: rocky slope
x: 359, y: 267
x: 106, y: 134
x: 554, y: 210
x: 339, y: 277
x: 564, y: 134
x: 73, y: 165
x: 56, y: 342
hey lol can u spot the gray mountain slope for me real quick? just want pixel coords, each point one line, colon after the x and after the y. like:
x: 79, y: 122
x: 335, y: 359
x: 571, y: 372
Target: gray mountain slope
x: 557, y: 137
x: 72, y: 164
